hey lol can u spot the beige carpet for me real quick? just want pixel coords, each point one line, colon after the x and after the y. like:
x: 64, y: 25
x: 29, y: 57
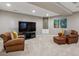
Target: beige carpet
x: 43, y: 46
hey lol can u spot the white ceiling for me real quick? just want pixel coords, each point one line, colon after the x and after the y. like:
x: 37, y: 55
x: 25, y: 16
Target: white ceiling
x: 26, y: 8
x: 42, y: 8
x: 53, y: 7
x: 73, y: 6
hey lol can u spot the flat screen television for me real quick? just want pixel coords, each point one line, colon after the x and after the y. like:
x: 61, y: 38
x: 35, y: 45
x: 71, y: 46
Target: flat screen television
x: 27, y: 26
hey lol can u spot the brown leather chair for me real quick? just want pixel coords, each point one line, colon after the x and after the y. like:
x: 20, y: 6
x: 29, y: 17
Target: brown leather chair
x: 72, y: 37
x: 60, y: 39
x: 12, y: 44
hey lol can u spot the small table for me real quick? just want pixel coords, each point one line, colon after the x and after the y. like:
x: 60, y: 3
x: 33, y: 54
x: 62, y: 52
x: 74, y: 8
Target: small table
x: 60, y: 39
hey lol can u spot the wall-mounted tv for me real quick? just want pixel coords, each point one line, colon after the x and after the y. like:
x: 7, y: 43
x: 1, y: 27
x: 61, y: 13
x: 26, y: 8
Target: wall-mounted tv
x: 27, y: 26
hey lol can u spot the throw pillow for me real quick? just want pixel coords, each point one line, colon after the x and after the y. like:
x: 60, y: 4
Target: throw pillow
x: 15, y: 35
x: 62, y: 31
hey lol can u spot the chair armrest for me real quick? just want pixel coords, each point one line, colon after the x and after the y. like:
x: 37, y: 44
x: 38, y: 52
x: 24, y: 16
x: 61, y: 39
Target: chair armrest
x: 17, y: 41
x: 21, y: 36
x: 73, y: 36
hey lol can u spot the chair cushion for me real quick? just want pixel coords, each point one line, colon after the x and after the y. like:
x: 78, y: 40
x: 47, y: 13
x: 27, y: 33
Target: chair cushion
x: 14, y: 42
x: 15, y: 35
x: 6, y: 36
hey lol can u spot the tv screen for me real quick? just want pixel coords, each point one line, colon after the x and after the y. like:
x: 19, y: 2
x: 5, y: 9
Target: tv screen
x: 27, y: 26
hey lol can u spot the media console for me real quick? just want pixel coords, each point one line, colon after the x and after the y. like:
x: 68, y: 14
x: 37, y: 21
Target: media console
x: 28, y: 35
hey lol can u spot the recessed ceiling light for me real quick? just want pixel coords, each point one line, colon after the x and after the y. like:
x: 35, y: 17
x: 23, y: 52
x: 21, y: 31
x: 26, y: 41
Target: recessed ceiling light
x: 33, y: 11
x: 8, y: 4
x: 47, y: 14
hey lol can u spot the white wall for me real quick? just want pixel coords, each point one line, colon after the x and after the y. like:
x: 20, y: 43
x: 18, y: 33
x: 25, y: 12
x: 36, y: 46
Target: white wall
x: 9, y: 21
x: 74, y: 22
x: 52, y: 30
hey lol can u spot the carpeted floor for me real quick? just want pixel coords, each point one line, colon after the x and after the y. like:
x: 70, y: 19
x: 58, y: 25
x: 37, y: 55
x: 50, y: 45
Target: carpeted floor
x: 43, y: 46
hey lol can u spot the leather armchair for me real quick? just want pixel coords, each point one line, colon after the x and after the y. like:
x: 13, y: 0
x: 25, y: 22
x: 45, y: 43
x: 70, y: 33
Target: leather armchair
x: 12, y: 44
x: 72, y: 37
